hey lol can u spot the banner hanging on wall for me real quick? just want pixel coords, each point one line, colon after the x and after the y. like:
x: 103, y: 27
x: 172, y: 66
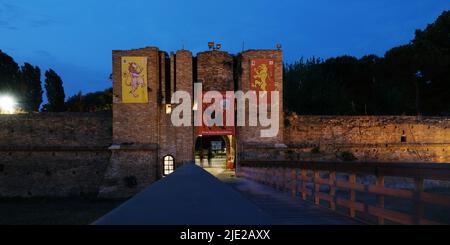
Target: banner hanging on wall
x: 217, y: 130
x: 134, y: 80
x: 262, y: 77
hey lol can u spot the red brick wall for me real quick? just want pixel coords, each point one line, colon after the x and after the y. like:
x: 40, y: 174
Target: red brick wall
x: 184, y: 135
x: 215, y: 71
x: 252, y: 134
x: 136, y: 123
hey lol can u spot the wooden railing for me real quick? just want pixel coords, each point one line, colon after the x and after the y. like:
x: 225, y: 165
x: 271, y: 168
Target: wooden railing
x: 358, y: 189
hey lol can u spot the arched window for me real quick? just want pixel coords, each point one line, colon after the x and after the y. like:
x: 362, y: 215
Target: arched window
x: 167, y: 165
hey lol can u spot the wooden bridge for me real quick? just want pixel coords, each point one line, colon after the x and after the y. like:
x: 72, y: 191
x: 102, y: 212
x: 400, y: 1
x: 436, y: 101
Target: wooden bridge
x: 374, y: 192
x: 293, y: 193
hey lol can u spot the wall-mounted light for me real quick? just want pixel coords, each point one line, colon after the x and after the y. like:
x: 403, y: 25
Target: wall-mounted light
x: 195, y: 106
x: 218, y: 46
x: 168, y: 108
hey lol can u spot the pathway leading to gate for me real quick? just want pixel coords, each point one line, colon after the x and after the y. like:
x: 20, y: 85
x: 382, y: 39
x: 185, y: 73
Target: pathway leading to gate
x: 192, y: 196
x: 281, y: 206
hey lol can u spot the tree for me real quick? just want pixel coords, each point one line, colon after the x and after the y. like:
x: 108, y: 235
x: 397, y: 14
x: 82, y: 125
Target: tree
x: 32, y: 88
x: 9, y: 74
x: 90, y: 102
x: 55, y: 92
x: 410, y: 79
x: 432, y: 58
x: 399, y: 69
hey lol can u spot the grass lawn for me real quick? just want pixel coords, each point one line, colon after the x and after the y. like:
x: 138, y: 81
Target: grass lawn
x: 45, y: 211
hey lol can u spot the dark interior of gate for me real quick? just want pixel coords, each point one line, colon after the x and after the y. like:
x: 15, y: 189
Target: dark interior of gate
x: 215, y: 153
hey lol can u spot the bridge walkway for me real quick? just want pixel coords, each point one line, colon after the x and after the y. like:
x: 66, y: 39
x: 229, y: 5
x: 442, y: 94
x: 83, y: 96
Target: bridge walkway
x: 281, y: 206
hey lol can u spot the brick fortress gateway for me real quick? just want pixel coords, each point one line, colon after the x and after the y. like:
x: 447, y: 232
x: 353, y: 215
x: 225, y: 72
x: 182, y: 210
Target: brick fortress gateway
x: 96, y: 154
x: 143, y: 134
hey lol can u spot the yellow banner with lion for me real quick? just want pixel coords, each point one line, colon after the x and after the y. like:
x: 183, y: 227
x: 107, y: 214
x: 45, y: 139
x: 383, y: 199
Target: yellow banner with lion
x: 134, y: 80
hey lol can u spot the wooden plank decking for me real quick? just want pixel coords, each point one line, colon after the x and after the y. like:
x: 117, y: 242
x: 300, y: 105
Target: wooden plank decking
x: 282, y: 208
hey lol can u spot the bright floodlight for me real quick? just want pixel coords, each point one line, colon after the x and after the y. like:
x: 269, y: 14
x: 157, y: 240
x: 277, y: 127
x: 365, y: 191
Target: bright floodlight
x: 7, y: 104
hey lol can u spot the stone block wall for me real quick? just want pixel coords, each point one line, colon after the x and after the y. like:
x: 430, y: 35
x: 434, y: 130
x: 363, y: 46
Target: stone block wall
x: 129, y: 171
x: 367, y: 129
x: 55, y: 129
x: 53, y: 154
x: 369, y: 138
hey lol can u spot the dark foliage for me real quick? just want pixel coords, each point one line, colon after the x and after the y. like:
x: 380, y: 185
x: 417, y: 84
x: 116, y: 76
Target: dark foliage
x: 410, y: 79
x: 31, y: 87
x: 91, y: 102
x: 55, y: 92
x: 9, y: 75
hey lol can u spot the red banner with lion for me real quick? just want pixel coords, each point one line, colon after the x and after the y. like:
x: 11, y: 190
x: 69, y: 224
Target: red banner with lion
x: 262, y: 76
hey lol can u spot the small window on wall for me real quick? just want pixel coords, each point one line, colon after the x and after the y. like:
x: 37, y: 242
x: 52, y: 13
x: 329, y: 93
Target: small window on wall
x: 167, y: 165
x: 403, y: 137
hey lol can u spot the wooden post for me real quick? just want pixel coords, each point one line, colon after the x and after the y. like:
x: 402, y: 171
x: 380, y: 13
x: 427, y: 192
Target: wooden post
x: 294, y: 182
x: 419, y: 206
x: 304, y: 184
x: 380, y: 198
x: 332, y: 183
x: 316, y: 187
x: 352, y: 180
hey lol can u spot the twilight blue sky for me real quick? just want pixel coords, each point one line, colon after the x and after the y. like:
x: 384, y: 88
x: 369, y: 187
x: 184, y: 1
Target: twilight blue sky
x: 75, y: 38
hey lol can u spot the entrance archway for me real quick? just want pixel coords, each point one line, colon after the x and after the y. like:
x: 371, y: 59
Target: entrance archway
x: 215, y: 154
